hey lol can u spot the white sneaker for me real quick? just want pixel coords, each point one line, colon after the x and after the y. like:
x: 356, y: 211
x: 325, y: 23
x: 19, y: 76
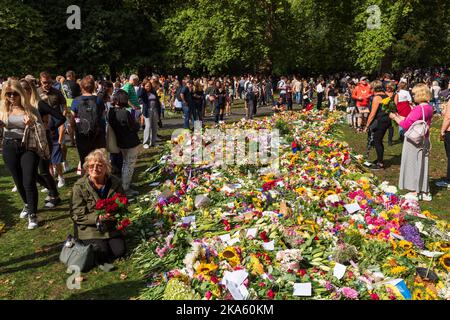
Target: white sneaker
x: 32, y: 223
x: 146, y: 146
x: 14, y: 189
x: 48, y: 198
x: 426, y: 197
x: 24, y: 213
x: 45, y: 190
x: 61, y: 182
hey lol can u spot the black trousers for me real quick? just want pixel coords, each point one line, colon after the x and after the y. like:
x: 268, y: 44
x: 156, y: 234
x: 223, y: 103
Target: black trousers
x: 107, y: 250
x: 44, y: 177
x: 86, y: 145
x: 319, y: 100
x: 378, y: 136
x: 390, y: 132
x: 218, y: 113
x: 447, y: 150
x: 23, y: 166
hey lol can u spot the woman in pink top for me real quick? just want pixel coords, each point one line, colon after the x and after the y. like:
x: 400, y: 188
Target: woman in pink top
x: 414, y: 165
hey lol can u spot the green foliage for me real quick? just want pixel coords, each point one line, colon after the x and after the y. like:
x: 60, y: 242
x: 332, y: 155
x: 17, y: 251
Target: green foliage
x: 25, y: 46
x: 178, y: 290
x: 222, y: 37
x: 283, y: 127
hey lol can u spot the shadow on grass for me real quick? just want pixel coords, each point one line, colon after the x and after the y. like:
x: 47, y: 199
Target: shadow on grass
x: 61, y: 217
x: 116, y: 291
x: 9, y: 212
x: 396, y: 160
x: 50, y: 253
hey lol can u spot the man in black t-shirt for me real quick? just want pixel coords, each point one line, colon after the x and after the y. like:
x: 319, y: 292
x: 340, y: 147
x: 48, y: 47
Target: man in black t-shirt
x: 71, y: 87
x: 186, y: 101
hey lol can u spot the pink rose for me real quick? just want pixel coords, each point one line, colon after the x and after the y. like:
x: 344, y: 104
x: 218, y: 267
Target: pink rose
x: 208, y: 295
x: 349, y: 293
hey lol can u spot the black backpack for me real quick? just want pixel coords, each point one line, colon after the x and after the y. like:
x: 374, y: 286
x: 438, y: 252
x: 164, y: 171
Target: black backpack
x: 88, y: 115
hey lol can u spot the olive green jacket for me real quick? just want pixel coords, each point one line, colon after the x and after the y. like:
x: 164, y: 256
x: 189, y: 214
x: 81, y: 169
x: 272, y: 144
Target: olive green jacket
x: 82, y: 208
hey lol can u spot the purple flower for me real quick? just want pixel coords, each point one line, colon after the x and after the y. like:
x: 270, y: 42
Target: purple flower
x: 411, y: 234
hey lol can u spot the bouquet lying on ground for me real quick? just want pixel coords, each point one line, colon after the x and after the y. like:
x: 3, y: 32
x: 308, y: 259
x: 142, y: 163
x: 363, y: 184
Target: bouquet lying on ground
x: 113, y: 213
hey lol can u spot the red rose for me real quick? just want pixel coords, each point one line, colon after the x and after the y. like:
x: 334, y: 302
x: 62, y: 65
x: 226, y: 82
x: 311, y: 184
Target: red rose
x: 100, y: 205
x: 301, y: 272
x: 124, y: 200
x: 270, y: 294
x: 263, y: 236
x: 111, y: 208
x: 374, y: 296
x: 214, y: 280
x: 125, y: 222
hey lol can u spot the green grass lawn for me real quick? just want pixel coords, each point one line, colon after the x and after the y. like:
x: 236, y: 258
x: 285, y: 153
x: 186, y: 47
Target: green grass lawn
x: 437, y: 170
x: 29, y: 265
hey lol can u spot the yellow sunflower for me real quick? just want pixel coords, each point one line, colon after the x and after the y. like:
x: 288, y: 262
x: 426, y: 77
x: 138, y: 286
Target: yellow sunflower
x: 411, y: 254
x: 418, y: 294
x: 205, y: 269
x: 398, y: 270
x: 444, y: 246
x: 329, y: 193
x: 405, y: 245
x: 445, y: 261
x: 231, y: 256
x: 428, y: 214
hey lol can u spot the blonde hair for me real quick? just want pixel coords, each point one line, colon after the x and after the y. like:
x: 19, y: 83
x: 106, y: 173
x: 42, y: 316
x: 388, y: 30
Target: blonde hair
x: 5, y: 105
x: 102, y: 156
x: 421, y: 93
x: 34, y: 96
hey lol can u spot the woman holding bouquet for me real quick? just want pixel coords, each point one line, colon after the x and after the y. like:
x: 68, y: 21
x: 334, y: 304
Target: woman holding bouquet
x: 99, y: 230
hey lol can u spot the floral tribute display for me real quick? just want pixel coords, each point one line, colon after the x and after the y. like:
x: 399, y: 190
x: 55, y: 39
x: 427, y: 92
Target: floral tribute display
x: 320, y: 228
x: 114, y: 209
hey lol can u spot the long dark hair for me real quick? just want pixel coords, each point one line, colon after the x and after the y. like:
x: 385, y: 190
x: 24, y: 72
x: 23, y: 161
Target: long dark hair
x: 120, y: 98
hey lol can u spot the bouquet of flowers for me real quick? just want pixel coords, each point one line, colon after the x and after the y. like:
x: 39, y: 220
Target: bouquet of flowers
x: 388, y: 105
x: 113, y: 213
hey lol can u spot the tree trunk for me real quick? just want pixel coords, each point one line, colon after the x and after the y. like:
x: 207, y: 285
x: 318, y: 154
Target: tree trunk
x: 113, y: 71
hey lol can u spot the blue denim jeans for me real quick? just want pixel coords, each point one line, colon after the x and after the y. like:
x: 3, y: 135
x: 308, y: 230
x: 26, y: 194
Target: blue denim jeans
x: 298, y: 96
x: 187, y: 115
x: 437, y: 105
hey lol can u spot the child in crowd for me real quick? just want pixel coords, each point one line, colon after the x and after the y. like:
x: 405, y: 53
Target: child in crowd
x: 279, y: 106
x: 57, y: 158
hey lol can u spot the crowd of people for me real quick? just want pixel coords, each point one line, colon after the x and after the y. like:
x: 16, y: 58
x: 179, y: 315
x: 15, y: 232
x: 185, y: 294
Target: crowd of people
x: 41, y: 117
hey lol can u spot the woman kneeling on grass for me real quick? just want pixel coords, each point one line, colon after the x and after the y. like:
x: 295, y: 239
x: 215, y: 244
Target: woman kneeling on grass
x: 98, y: 183
x: 415, y: 158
